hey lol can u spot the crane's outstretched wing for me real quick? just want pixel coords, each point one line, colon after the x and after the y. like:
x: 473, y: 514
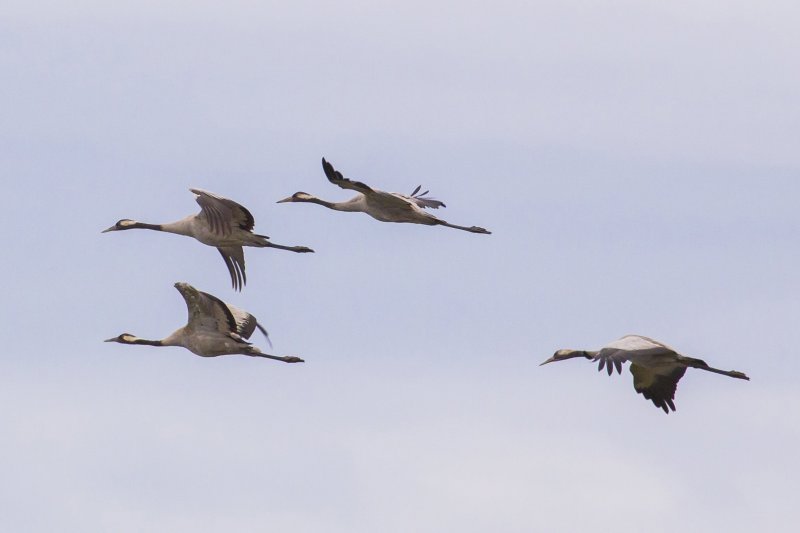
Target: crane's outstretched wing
x: 658, y: 385
x: 206, y: 312
x: 639, y: 342
x: 223, y: 214
x: 234, y: 260
x: 335, y: 177
x: 209, y: 313
x: 615, y: 353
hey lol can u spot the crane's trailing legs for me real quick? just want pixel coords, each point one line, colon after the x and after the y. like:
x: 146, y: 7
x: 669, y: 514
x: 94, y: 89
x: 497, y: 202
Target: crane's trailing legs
x: 471, y: 229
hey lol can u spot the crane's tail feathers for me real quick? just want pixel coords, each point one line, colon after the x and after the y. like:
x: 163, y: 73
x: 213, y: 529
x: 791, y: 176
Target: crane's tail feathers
x: 422, y: 200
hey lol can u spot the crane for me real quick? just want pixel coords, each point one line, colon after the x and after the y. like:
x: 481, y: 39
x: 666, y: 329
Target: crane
x: 221, y: 223
x: 656, y: 367
x: 380, y: 205
x: 214, y: 328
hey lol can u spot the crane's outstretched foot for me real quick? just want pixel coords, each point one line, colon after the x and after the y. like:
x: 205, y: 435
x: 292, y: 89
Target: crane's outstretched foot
x: 297, y: 249
x: 471, y: 229
x: 476, y: 229
x: 253, y: 351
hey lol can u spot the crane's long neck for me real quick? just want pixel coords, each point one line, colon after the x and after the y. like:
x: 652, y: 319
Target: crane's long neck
x: 180, y: 227
x: 143, y: 225
x: 147, y: 342
x: 183, y: 226
x: 352, y: 205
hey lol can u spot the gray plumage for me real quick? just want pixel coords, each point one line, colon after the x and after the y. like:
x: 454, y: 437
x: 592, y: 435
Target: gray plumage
x: 656, y: 367
x: 221, y: 223
x: 380, y: 205
x: 213, y: 328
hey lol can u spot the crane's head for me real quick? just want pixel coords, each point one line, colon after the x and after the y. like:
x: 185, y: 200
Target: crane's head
x: 298, y: 197
x: 561, y: 355
x: 125, y: 338
x: 125, y: 223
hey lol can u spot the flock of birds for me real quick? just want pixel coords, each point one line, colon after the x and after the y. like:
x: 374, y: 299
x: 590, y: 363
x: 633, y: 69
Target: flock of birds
x: 217, y: 328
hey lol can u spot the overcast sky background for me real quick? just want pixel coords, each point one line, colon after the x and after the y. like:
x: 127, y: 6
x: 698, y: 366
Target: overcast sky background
x: 637, y: 163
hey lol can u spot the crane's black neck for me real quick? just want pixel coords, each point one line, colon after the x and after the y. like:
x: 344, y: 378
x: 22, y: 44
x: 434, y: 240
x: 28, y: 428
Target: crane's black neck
x: 147, y: 342
x: 144, y: 225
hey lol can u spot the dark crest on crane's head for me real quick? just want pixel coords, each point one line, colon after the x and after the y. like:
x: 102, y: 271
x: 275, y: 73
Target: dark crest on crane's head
x: 125, y: 223
x: 299, y: 196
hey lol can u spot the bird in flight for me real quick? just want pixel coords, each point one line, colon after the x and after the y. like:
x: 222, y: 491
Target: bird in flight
x: 380, y: 205
x: 656, y: 367
x: 214, y: 328
x: 221, y: 223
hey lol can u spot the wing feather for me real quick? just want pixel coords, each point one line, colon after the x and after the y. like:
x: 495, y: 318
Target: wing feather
x: 422, y: 200
x: 335, y: 177
x: 223, y: 214
x: 206, y: 312
x: 658, y: 384
x: 234, y: 260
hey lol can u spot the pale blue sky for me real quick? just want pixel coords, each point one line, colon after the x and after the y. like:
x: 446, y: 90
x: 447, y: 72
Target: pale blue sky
x: 637, y: 162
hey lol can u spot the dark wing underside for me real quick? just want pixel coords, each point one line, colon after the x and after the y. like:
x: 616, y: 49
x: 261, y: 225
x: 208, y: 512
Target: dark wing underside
x: 658, y: 385
x: 234, y: 260
x: 335, y: 177
x: 223, y: 214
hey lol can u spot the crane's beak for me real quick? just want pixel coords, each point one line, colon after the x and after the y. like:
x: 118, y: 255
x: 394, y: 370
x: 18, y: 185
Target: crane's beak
x: 548, y: 361
x: 112, y: 228
x: 289, y: 199
x: 112, y: 339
